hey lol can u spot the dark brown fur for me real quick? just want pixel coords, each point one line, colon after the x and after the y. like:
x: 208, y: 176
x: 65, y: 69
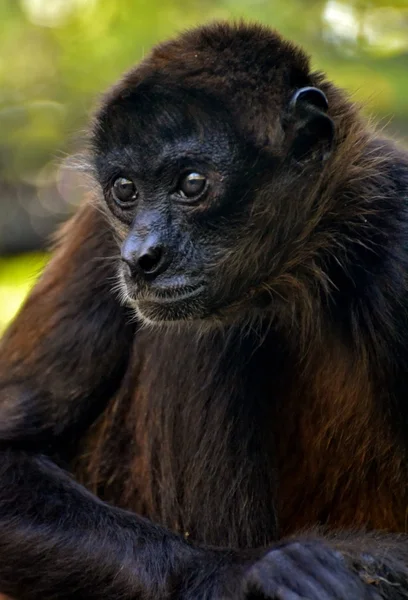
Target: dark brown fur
x: 280, y: 410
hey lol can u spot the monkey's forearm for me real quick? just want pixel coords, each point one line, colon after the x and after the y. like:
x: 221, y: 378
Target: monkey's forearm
x: 59, y: 541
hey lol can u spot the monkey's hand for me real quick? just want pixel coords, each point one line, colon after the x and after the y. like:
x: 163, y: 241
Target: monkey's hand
x: 307, y: 570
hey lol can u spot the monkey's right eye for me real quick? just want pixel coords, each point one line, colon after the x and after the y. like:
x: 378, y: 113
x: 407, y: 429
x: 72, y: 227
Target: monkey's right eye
x: 124, y: 192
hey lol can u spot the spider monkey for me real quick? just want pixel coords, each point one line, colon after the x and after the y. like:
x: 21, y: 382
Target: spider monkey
x: 205, y: 394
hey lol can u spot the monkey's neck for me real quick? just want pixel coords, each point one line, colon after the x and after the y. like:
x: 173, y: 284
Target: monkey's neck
x: 347, y: 273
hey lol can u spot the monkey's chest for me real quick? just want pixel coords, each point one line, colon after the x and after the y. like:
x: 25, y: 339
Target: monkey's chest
x: 224, y: 454
x: 338, y: 460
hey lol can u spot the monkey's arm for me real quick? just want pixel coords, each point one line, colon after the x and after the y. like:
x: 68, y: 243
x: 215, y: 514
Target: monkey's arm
x: 57, y: 541
x: 64, y: 355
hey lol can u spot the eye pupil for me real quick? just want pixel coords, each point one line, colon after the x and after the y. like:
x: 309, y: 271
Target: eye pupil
x: 124, y: 190
x: 192, y: 185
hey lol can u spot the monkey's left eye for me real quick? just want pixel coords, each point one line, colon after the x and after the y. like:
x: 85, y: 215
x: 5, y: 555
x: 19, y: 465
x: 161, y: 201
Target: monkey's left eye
x: 192, y: 185
x: 124, y: 191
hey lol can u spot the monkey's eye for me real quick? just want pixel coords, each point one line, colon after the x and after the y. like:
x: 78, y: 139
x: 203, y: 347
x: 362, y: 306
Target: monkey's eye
x: 124, y: 191
x: 192, y: 185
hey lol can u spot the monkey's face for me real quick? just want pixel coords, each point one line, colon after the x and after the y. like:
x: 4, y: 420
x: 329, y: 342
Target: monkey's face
x: 191, y: 201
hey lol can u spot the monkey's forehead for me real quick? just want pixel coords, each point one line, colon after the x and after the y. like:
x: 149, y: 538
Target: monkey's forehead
x: 153, y: 112
x: 146, y: 138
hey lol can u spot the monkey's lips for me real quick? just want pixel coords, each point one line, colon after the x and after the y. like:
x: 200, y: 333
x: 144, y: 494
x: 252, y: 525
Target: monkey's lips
x: 172, y: 295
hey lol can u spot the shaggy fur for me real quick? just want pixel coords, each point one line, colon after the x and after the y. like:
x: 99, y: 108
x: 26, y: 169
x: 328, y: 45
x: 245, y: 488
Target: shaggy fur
x: 234, y: 425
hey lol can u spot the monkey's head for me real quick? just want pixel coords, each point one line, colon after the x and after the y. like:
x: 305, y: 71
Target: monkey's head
x: 204, y: 153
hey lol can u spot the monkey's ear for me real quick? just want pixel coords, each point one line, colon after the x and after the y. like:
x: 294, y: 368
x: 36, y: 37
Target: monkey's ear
x: 313, y: 129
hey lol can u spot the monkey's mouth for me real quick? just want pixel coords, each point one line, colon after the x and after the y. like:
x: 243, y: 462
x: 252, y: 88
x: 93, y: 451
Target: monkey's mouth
x: 167, y: 303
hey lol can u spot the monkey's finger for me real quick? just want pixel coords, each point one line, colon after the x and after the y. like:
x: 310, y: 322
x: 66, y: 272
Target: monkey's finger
x: 285, y: 594
x: 328, y: 568
x: 277, y: 571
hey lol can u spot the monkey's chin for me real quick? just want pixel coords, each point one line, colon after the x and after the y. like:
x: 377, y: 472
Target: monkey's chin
x: 152, y: 313
x: 171, y: 308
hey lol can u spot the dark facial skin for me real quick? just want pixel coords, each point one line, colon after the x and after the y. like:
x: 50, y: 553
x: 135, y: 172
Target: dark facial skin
x: 173, y: 244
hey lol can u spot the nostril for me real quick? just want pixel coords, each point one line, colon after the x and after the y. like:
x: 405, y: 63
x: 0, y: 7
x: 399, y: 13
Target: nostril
x: 145, y: 258
x: 150, y: 260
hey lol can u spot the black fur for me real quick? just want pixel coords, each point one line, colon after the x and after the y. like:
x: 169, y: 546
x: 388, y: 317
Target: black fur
x: 236, y: 424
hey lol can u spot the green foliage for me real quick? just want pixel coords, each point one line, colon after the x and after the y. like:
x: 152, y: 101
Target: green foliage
x: 56, y: 56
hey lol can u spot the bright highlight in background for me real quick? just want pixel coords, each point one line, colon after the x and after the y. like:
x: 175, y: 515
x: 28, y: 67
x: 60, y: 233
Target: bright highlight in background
x: 17, y: 276
x: 53, y: 13
x: 380, y: 30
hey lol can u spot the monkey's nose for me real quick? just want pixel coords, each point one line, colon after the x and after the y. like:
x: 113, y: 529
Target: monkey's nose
x: 148, y: 258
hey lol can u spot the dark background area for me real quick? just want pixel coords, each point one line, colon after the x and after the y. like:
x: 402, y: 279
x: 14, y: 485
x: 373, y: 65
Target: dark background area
x: 57, y: 56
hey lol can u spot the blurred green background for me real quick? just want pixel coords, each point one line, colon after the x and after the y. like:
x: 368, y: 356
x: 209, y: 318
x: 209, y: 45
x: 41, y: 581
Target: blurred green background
x: 56, y: 56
